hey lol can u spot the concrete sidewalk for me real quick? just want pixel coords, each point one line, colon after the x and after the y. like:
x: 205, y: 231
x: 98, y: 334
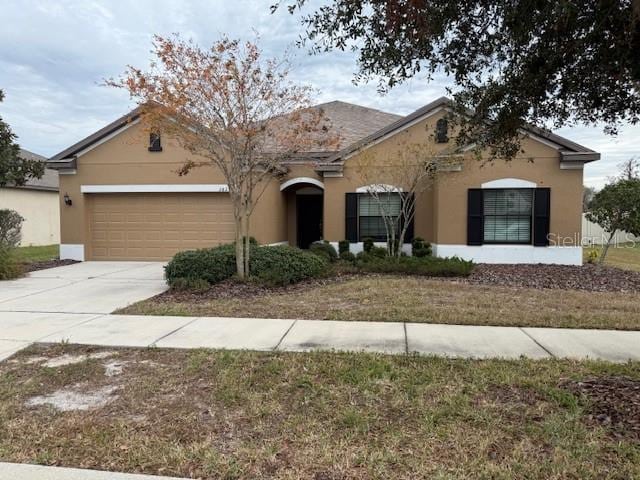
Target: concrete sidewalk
x: 16, y: 471
x: 19, y: 329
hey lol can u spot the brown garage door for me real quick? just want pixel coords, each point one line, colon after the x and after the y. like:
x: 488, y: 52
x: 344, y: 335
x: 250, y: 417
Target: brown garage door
x: 154, y: 226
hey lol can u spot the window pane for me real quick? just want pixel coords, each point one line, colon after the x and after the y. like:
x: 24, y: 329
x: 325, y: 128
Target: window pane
x: 373, y: 227
x: 388, y: 203
x: 507, y: 215
x: 507, y: 229
x: 372, y: 211
x: 508, y: 202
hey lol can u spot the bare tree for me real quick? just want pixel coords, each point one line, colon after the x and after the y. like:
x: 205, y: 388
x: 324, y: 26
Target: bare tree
x: 230, y: 107
x: 395, y: 182
x: 629, y: 169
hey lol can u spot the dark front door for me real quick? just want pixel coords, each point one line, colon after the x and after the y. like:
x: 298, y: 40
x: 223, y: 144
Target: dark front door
x: 309, y: 210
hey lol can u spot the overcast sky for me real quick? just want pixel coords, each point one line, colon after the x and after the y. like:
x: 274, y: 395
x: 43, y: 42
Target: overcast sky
x: 54, y: 55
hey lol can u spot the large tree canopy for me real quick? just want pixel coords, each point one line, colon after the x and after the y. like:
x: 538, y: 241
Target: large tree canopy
x: 544, y: 62
x: 15, y: 170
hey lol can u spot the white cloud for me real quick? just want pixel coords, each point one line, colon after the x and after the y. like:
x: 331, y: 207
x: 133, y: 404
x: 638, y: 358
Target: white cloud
x: 54, y: 55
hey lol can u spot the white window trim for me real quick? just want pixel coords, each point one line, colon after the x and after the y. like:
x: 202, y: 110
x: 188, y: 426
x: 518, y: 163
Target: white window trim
x: 509, y: 183
x: 297, y: 180
x: 164, y: 188
x: 378, y: 188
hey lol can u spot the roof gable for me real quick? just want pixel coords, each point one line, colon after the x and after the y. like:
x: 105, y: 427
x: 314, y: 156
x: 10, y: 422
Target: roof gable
x: 569, y: 151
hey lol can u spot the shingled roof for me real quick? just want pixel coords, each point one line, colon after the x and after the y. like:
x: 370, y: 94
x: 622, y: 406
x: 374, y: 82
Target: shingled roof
x: 49, y: 180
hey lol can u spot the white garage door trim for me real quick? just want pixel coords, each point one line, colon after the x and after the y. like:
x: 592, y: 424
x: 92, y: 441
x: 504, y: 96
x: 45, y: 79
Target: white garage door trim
x: 164, y: 188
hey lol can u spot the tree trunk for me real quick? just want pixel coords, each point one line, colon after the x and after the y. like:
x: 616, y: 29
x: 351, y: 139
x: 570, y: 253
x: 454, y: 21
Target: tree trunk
x: 247, y: 245
x: 240, y: 270
x: 606, y: 248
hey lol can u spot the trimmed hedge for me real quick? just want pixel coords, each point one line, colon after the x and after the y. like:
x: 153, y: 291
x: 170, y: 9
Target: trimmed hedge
x: 279, y: 265
x: 10, y: 267
x: 428, y: 266
x: 209, y: 264
x: 325, y: 250
x: 282, y: 265
x: 420, y: 247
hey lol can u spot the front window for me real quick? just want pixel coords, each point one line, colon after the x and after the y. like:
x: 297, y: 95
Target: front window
x: 507, y: 215
x: 371, y: 211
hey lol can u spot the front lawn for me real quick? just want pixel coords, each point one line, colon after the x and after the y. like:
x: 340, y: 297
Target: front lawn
x: 322, y: 416
x: 38, y: 254
x: 411, y: 299
x: 625, y: 256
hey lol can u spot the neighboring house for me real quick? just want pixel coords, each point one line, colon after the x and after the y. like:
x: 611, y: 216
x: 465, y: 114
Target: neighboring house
x: 38, y: 203
x: 129, y: 204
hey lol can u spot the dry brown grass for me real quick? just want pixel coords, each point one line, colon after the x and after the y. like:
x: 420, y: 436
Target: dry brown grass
x: 244, y: 415
x: 418, y: 299
x: 626, y: 256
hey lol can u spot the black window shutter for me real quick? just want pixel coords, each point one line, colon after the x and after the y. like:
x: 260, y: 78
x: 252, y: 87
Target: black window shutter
x: 408, y: 236
x: 351, y: 216
x: 541, y: 209
x: 475, y: 227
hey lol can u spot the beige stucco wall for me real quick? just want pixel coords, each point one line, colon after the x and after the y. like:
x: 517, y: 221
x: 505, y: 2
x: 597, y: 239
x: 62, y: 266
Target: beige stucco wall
x: 40, y: 211
x: 440, y: 214
x: 125, y: 160
x: 441, y: 210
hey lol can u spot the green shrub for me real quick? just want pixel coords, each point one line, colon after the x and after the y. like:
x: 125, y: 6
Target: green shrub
x: 282, y: 265
x: 428, y: 266
x: 10, y: 228
x: 344, y: 246
x: 10, y: 267
x: 325, y: 250
x: 279, y: 265
x: 420, y: 247
x: 348, y: 257
x: 211, y: 265
x: 367, y: 244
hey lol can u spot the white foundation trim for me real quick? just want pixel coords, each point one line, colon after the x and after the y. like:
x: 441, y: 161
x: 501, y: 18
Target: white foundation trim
x: 295, y: 181
x: 69, y: 251
x: 277, y: 244
x: 358, y: 247
x: 512, y: 254
x: 378, y: 188
x: 509, y: 183
x: 165, y: 188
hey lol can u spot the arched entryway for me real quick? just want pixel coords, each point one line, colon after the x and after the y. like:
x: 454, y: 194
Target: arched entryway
x: 305, y: 205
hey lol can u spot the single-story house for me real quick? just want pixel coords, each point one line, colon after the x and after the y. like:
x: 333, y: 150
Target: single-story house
x: 122, y: 199
x: 38, y: 203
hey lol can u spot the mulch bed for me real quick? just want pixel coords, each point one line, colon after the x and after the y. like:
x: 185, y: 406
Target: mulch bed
x: 43, y: 265
x: 613, y: 402
x: 590, y: 278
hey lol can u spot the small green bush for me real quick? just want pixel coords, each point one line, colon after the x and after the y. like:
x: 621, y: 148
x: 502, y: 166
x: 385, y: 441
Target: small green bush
x: 420, y: 247
x: 325, y: 250
x: 282, y: 265
x: 428, y: 266
x: 211, y: 265
x: 367, y: 244
x: 348, y: 257
x: 10, y: 267
x: 343, y: 246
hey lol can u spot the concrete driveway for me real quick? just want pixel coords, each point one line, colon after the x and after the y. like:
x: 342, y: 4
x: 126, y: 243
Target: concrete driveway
x: 83, y: 288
